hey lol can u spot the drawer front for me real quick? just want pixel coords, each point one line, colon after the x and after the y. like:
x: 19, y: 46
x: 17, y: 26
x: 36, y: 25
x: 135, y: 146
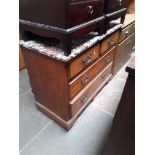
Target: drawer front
x: 125, y: 33
x: 86, y: 95
x: 123, y: 53
x: 113, y: 5
x: 109, y: 42
x: 83, y: 61
x: 80, y: 12
x: 84, y: 78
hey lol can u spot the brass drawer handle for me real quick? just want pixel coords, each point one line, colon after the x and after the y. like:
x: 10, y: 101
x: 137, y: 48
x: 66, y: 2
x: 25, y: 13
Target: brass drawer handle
x: 111, y: 42
x: 90, y: 9
x: 86, y: 59
x: 107, y: 60
x: 84, y: 98
x: 105, y: 76
x: 84, y: 80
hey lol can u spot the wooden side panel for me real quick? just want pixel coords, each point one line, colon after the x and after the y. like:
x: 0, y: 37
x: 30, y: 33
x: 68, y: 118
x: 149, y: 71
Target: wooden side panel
x: 21, y: 60
x: 49, y: 82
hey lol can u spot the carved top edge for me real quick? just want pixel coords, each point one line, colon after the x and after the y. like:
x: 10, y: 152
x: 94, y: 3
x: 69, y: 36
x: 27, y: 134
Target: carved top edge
x: 57, y: 53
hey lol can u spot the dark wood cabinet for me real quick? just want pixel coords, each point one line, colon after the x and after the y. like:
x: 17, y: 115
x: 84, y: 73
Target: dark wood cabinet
x: 61, y: 19
x: 122, y: 136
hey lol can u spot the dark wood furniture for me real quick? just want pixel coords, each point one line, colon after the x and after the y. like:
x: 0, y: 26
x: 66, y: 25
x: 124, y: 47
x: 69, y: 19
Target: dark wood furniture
x: 122, y: 136
x: 114, y: 9
x: 61, y: 19
x: 126, y: 43
x: 64, y: 89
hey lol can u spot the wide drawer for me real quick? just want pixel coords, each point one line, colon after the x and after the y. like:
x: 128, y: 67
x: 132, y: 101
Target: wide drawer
x: 85, y: 77
x: 86, y: 95
x: 80, y: 12
x: 83, y: 61
x: 109, y: 42
x: 126, y: 32
x: 123, y: 53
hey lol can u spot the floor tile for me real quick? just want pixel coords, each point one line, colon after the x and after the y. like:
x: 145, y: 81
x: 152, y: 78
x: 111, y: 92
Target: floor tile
x: 109, y: 97
x: 24, y: 80
x: 87, y: 137
x: 31, y: 121
x: 21, y: 91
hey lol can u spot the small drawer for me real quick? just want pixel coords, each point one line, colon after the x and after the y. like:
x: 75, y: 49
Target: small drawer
x: 83, y: 61
x: 109, y: 42
x: 125, y: 33
x: 86, y: 95
x: 85, y: 77
x: 80, y: 12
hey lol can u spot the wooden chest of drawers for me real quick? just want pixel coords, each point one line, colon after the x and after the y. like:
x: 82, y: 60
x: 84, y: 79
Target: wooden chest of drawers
x: 63, y: 89
x: 125, y: 47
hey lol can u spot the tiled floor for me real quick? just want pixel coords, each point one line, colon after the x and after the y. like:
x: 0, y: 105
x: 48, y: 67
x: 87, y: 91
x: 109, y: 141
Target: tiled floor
x: 41, y: 136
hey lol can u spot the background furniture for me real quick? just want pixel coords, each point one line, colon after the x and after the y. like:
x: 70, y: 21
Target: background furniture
x: 126, y: 43
x: 122, y: 136
x: 64, y: 89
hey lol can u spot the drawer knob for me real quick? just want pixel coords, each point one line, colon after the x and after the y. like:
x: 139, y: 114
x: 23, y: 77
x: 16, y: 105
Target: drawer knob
x: 90, y: 9
x: 84, y: 80
x: 111, y: 42
x: 86, y: 59
x: 126, y: 33
x: 119, y: 2
x: 108, y: 60
x: 84, y: 98
x: 105, y: 76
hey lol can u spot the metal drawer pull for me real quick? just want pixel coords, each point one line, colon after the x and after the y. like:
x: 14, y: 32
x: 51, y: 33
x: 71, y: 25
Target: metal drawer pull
x: 86, y: 59
x: 129, y: 42
x: 107, y: 60
x: 126, y: 33
x: 90, y: 9
x: 119, y: 2
x: 84, y: 98
x: 105, y: 76
x: 84, y: 80
x: 111, y: 42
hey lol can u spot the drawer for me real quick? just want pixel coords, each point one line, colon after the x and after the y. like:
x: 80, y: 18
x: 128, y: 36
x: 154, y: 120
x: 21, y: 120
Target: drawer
x: 123, y: 53
x: 85, y: 96
x: 125, y: 33
x: 80, y: 12
x: 85, y: 77
x: 109, y: 42
x: 83, y: 61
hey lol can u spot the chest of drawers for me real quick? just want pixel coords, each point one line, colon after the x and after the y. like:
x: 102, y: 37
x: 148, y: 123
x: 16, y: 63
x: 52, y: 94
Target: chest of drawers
x: 125, y: 47
x: 63, y: 89
x: 60, y: 19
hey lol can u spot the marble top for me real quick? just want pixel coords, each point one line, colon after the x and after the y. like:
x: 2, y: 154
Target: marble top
x: 55, y: 50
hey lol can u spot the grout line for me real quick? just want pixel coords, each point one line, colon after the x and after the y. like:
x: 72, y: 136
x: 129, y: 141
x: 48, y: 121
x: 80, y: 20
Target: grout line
x: 109, y: 113
x: 34, y: 138
x: 25, y: 92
